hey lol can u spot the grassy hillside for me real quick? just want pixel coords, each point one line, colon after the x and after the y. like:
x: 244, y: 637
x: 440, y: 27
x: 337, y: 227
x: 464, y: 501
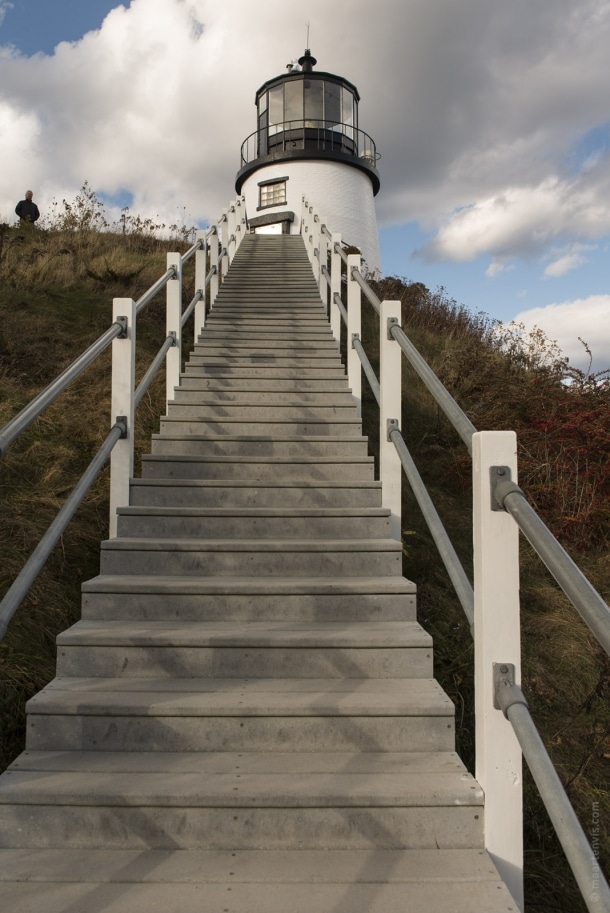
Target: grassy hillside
x: 56, y: 290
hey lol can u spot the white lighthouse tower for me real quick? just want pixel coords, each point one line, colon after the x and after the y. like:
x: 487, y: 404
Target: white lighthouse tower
x: 308, y: 143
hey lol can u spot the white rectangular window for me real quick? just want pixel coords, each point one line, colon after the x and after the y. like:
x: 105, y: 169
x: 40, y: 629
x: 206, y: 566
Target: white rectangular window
x: 272, y: 194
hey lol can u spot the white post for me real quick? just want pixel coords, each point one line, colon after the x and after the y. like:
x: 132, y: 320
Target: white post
x: 316, y: 259
x: 231, y: 231
x: 354, y: 298
x: 323, y: 248
x: 390, y: 401
x: 214, y: 254
x: 335, y: 287
x: 200, y: 274
x: 173, y: 357
x: 497, y: 640
x: 224, y: 241
x: 122, y: 404
x: 241, y: 220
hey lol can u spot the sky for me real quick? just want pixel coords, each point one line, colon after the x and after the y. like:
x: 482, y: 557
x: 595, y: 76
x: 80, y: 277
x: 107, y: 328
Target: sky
x: 492, y: 119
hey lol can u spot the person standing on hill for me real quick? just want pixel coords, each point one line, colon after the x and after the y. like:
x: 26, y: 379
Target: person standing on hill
x: 27, y: 210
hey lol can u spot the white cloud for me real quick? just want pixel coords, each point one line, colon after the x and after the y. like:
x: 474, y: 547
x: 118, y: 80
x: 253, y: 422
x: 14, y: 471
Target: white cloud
x: 4, y: 6
x: 476, y: 117
x: 587, y: 318
x: 570, y: 259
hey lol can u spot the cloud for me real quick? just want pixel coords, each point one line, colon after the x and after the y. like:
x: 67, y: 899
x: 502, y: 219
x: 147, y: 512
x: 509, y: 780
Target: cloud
x: 479, y: 121
x: 4, y: 6
x: 571, y: 259
x: 587, y: 318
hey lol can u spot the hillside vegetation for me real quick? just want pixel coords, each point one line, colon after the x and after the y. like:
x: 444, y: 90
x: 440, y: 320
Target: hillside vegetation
x: 56, y: 290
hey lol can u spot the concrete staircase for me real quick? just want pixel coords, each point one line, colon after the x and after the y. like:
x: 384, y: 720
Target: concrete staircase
x: 245, y: 720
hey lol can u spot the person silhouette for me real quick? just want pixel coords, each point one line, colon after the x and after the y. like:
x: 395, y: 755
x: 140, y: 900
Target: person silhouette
x: 27, y: 210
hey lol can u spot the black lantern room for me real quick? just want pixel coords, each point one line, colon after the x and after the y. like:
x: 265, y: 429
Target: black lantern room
x: 307, y: 115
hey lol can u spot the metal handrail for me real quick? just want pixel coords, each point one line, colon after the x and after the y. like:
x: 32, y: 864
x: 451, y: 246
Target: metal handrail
x: 337, y: 300
x: 339, y: 250
x: 29, y: 413
x: 448, y: 554
x: 444, y: 399
x: 37, y: 559
x: 584, y: 597
x: 189, y: 310
x: 168, y: 343
x: 580, y: 856
x: 366, y: 288
x: 155, y: 289
x: 366, y: 367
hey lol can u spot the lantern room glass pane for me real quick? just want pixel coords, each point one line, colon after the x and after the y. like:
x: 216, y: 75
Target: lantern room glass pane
x: 332, y: 103
x: 293, y: 100
x: 276, y: 107
x: 262, y: 103
x: 314, y: 100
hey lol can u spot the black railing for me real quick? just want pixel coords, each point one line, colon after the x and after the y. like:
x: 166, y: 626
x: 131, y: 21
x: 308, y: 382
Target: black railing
x: 310, y: 136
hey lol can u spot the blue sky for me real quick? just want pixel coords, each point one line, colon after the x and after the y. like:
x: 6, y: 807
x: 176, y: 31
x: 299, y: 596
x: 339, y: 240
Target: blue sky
x: 495, y: 137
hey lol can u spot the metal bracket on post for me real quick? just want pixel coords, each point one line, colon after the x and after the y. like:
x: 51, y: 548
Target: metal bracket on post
x: 355, y: 336
x: 506, y: 691
x: 174, y: 337
x: 124, y: 323
x: 392, y: 424
x: 502, y: 484
x: 121, y: 421
x: 392, y: 322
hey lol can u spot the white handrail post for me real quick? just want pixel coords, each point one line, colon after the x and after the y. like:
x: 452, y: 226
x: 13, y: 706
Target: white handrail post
x: 304, y: 220
x: 231, y: 231
x: 224, y: 241
x: 122, y: 404
x: 497, y: 640
x: 354, y: 320
x: 316, y: 236
x: 214, y: 255
x: 200, y: 274
x: 335, y: 287
x: 241, y: 221
x: 390, y: 406
x: 323, y: 248
x: 173, y: 357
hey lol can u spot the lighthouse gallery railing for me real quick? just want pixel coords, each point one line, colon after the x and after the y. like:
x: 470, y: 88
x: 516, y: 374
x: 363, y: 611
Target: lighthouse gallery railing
x: 504, y: 726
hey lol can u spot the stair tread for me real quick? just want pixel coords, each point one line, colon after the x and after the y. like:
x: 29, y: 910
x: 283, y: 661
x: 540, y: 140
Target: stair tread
x: 248, y: 545
x: 203, y: 762
x: 274, y: 635
x: 238, y: 789
x: 313, y: 512
x: 401, y: 700
x: 254, y: 866
x: 250, y: 585
x: 300, y: 897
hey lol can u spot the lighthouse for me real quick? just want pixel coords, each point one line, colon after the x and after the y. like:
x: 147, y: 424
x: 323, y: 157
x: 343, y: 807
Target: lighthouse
x: 308, y: 143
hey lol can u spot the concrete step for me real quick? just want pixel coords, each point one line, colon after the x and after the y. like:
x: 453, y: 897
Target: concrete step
x: 252, y: 557
x: 251, y: 412
x: 276, y: 715
x: 297, y: 896
x: 231, y: 425
x: 264, y: 359
x: 223, y: 523
x: 288, y: 448
x: 266, y: 371
x: 241, y: 599
x: 249, y: 398
x: 220, y: 493
x: 281, y: 384
x: 257, y: 649
x: 160, y: 466
x: 257, y: 881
